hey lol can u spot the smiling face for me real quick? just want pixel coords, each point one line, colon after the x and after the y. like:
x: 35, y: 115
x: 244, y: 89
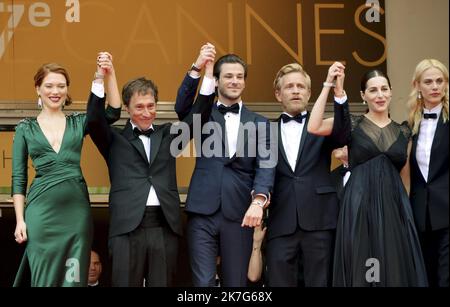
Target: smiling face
x: 53, y: 91
x: 142, y: 110
x: 432, y: 86
x: 231, y: 83
x: 377, y: 94
x: 293, y: 93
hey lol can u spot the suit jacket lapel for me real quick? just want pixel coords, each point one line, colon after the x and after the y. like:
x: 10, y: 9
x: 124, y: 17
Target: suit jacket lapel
x: 217, y: 117
x: 302, y: 141
x: 438, y: 136
x: 135, y: 141
x: 242, y: 140
x: 414, y: 147
x: 413, y: 155
x: 156, y: 138
x: 280, y: 144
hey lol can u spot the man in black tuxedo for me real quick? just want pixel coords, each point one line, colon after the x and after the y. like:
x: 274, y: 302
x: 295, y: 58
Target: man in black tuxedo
x: 231, y: 182
x: 304, y: 208
x: 144, y: 203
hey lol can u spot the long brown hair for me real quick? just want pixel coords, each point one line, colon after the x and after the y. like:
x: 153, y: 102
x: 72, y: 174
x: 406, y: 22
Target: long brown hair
x: 45, y: 69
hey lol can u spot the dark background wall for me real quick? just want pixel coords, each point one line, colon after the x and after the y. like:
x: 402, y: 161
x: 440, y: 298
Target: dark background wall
x: 11, y: 252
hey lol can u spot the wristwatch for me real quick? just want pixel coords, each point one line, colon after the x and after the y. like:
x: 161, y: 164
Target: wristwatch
x: 195, y: 68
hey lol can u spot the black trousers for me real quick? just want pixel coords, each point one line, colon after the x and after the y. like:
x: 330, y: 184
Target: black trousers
x: 214, y: 235
x: 435, y: 253
x: 147, y: 256
x: 313, y: 250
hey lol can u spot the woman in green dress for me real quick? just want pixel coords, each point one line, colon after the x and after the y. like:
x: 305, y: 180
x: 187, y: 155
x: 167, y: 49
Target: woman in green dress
x: 57, y: 222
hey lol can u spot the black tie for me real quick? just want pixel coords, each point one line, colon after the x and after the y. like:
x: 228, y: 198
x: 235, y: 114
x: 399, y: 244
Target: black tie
x: 234, y: 108
x: 343, y: 170
x: 429, y: 115
x: 137, y: 132
x: 298, y: 118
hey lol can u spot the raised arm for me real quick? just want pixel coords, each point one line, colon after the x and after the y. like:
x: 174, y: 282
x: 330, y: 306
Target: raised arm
x: 105, y: 67
x: 316, y: 124
x: 98, y: 118
x: 205, y: 98
x: 187, y: 90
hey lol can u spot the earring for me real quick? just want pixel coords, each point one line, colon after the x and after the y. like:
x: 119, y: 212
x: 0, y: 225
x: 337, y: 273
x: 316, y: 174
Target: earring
x: 364, y: 102
x: 39, y: 103
x: 419, y: 95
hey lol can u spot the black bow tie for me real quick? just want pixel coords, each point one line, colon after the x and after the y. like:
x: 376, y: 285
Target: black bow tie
x: 298, y: 118
x: 234, y: 108
x: 343, y: 170
x: 429, y: 115
x: 137, y: 132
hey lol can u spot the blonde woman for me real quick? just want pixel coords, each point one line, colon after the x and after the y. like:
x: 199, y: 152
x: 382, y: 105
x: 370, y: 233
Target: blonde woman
x: 428, y: 119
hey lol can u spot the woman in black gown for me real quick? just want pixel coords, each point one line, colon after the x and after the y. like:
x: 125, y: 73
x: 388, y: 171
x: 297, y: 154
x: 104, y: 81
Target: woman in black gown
x: 376, y: 240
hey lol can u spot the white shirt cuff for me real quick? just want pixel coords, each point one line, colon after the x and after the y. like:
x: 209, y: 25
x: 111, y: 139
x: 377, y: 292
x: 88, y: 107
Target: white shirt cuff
x: 265, y: 197
x: 194, y: 75
x: 208, y: 86
x: 340, y: 100
x: 98, y: 89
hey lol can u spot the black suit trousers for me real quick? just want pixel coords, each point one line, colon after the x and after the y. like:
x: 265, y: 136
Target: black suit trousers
x: 434, y: 245
x: 147, y: 256
x: 314, y: 248
x: 214, y: 235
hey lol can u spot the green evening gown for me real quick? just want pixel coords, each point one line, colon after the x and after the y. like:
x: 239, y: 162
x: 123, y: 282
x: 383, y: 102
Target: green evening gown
x: 58, y: 213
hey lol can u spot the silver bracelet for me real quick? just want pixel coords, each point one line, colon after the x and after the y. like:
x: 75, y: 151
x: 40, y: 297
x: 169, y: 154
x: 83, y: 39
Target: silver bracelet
x: 328, y: 84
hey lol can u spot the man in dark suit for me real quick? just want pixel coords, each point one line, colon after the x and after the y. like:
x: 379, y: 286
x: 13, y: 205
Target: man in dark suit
x: 95, y: 270
x: 231, y: 180
x: 144, y: 204
x: 304, y: 208
x: 429, y: 161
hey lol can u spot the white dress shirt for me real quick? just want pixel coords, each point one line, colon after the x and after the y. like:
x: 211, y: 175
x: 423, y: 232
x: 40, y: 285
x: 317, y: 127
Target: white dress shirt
x: 232, y: 120
x: 291, y: 134
x: 425, y: 140
x: 98, y: 89
x: 152, y: 199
